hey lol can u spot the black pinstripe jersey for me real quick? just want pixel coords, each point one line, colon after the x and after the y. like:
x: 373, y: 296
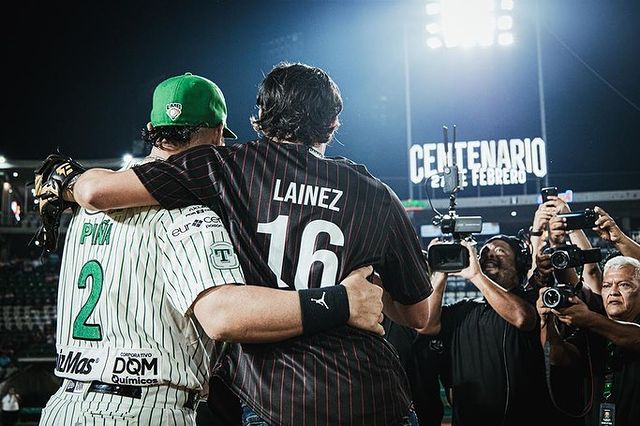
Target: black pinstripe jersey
x: 297, y: 220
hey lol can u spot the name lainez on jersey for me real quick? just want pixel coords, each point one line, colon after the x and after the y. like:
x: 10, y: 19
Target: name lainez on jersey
x: 110, y: 365
x: 194, y: 219
x: 308, y: 195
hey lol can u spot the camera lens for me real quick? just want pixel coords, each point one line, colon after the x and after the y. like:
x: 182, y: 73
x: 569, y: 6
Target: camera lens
x: 551, y: 298
x: 560, y: 259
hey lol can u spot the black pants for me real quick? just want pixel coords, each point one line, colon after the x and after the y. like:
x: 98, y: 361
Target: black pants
x: 9, y: 418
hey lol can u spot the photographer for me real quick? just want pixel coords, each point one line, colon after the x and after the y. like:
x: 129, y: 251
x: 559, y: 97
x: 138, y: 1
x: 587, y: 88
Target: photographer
x: 607, y: 229
x: 494, y: 362
x: 548, y: 223
x: 612, y: 342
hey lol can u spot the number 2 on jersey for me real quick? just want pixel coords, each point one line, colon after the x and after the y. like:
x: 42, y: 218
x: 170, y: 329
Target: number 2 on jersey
x: 278, y: 231
x: 81, y: 329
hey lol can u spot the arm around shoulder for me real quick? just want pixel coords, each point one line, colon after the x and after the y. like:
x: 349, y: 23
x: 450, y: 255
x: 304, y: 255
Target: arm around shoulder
x: 104, y: 189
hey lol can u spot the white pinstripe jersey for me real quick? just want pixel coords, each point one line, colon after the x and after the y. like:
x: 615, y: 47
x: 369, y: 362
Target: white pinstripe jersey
x: 127, y: 283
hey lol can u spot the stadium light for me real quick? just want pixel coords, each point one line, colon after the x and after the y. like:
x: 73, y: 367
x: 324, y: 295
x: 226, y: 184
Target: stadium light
x: 2, y: 159
x: 127, y: 158
x: 434, y: 42
x: 505, y: 39
x: 469, y: 23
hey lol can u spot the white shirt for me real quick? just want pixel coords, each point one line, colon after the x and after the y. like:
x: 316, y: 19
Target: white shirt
x: 10, y: 403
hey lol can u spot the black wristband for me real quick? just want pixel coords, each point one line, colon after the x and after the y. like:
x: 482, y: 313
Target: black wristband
x: 323, y: 308
x: 535, y: 233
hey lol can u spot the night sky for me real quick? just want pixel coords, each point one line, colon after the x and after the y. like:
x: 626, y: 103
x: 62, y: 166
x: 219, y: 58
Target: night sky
x: 84, y: 82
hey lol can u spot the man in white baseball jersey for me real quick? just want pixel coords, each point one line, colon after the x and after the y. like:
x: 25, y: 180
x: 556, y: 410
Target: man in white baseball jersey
x: 139, y: 292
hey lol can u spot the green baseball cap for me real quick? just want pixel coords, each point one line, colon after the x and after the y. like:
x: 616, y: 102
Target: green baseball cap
x: 189, y: 100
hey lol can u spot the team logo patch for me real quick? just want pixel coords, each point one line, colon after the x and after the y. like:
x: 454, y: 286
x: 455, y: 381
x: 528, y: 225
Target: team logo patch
x: 223, y: 256
x: 174, y: 109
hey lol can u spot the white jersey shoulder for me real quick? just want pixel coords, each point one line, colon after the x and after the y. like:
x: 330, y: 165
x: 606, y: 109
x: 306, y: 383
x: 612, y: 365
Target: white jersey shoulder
x: 127, y: 283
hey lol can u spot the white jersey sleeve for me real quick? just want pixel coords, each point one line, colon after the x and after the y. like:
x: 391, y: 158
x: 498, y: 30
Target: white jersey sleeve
x: 197, y: 255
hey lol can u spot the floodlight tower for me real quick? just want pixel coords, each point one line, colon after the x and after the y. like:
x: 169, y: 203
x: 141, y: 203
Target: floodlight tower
x: 467, y: 24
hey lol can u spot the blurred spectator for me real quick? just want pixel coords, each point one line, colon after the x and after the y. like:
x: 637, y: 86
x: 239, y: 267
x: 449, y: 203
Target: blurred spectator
x: 10, y: 407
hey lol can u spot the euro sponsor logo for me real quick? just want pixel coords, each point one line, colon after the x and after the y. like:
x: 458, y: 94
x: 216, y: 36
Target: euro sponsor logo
x: 185, y: 228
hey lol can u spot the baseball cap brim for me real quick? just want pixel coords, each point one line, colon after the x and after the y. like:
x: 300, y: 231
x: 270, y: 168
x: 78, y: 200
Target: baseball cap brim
x: 228, y: 134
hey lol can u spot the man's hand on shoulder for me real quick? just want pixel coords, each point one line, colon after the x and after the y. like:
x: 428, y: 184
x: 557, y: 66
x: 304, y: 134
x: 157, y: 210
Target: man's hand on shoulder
x: 365, y: 301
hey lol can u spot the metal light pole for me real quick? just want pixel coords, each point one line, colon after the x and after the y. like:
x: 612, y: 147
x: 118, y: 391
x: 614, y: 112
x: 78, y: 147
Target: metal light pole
x: 543, y: 117
x: 407, y: 102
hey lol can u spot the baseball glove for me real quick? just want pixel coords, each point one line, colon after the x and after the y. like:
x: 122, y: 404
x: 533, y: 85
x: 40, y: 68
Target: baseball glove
x: 52, y: 179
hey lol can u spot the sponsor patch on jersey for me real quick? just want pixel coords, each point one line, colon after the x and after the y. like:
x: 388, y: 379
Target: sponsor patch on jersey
x: 196, y: 219
x: 110, y: 365
x: 82, y: 364
x: 223, y: 256
x: 134, y: 367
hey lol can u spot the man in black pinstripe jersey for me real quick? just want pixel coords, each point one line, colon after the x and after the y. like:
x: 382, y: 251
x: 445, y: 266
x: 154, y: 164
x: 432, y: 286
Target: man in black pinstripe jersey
x: 302, y: 220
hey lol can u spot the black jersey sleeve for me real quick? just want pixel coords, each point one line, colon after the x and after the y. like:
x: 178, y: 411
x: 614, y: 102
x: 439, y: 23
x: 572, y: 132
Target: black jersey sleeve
x: 404, y: 269
x: 183, y: 179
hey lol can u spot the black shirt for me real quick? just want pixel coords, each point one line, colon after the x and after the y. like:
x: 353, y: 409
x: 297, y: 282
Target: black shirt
x: 626, y: 381
x: 297, y: 220
x: 496, y: 371
x: 421, y: 357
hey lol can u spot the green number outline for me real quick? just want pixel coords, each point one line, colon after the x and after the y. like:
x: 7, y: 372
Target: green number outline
x: 81, y: 329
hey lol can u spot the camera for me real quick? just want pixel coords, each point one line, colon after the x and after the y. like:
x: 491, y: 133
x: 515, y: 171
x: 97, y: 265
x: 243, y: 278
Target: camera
x: 451, y: 255
x: 546, y: 192
x: 570, y: 256
x: 557, y: 297
x: 454, y: 224
x: 584, y: 219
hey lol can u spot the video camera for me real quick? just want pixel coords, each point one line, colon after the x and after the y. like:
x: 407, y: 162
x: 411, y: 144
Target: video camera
x: 557, y: 297
x: 570, y: 256
x: 451, y: 255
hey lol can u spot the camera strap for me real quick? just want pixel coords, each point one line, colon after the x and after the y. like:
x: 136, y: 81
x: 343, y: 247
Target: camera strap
x: 608, y: 373
x: 607, y: 413
x: 547, y: 368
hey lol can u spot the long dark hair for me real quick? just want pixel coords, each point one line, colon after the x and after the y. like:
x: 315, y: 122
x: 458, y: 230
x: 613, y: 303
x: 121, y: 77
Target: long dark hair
x: 169, y: 136
x: 298, y: 103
